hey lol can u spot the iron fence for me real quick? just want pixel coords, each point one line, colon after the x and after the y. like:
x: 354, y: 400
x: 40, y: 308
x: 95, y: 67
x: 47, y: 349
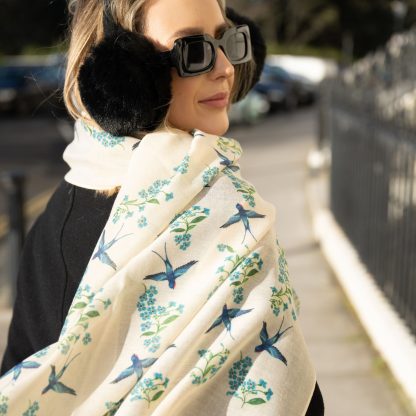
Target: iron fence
x: 370, y: 119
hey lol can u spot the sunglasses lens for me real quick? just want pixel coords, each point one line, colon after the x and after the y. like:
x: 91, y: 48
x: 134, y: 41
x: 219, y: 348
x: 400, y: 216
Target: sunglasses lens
x: 237, y: 47
x: 197, y: 55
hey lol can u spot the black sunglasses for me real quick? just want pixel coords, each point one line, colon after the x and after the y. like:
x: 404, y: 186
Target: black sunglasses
x: 196, y: 54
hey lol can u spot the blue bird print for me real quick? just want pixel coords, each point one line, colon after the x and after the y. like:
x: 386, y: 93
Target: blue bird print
x: 267, y: 343
x: 54, y: 383
x: 136, y: 144
x: 17, y: 369
x: 101, y: 252
x: 227, y: 162
x: 226, y: 316
x: 196, y: 133
x: 243, y: 215
x: 170, y: 275
x: 135, y: 368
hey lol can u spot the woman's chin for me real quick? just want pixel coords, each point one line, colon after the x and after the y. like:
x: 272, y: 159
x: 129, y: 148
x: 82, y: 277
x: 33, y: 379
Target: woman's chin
x: 215, y: 125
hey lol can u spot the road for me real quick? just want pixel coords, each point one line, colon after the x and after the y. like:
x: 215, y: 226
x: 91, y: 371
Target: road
x: 352, y: 378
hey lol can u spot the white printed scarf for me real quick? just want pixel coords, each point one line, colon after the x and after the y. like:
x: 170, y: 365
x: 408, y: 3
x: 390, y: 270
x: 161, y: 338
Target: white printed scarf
x: 185, y: 307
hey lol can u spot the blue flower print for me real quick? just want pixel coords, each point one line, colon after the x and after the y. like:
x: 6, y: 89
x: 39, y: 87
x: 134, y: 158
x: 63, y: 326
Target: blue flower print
x: 155, y: 318
x: 209, y: 174
x: 103, y: 137
x: 142, y: 221
x: 129, y: 204
x: 247, y: 190
x: 183, y: 223
x: 32, y: 410
x: 182, y: 168
x: 3, y: 404
x: 87, y: 338
x: 246, y: 389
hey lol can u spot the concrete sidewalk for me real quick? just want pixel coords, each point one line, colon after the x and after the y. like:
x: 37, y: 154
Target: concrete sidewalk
x: 353, y: 379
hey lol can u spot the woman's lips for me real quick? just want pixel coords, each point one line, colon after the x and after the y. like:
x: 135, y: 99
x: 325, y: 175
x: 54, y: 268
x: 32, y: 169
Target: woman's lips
x: 217, y: 101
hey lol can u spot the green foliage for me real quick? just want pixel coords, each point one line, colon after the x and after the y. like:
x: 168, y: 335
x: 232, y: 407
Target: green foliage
x: 327, y: 25
x: 303, y: 50
x: 315, y: 27
x: 31, y: 22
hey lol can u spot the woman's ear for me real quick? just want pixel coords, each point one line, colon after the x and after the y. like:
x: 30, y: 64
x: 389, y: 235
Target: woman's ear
x: 124, y: 83
x: 257, y: 41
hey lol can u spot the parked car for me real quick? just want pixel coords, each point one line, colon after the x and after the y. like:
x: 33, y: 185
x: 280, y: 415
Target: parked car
x: 312, y: 68
x: 280, y: 88
x: 26, y: 87
x: 250, y: 109
x: 11, y: 81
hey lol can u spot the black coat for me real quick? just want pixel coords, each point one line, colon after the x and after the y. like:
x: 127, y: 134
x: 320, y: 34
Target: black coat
x: 55, y: 255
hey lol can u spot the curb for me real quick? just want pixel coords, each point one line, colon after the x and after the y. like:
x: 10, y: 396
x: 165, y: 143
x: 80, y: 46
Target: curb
x: 387, y: 331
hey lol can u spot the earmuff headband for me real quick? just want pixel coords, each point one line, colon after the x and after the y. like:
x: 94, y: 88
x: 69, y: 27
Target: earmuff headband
x: 125, y: 83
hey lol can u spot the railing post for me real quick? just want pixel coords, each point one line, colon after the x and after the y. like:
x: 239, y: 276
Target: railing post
x: 322, y: 117
x: 12, y: 183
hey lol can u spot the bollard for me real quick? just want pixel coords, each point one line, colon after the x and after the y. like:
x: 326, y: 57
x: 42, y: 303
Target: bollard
x: 12, y: 183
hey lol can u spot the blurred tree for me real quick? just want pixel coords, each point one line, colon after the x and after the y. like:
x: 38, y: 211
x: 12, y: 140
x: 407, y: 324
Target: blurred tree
x: 342, y: 24
x: 369, y: 23
x: 31, y: 22
x: 356, y: 25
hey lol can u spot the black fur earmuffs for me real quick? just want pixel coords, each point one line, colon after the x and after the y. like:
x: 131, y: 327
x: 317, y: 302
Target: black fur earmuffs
x: 125, y: 84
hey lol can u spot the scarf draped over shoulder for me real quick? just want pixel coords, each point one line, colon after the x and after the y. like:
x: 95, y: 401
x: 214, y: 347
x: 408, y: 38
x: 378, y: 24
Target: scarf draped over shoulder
x: 185, y: 307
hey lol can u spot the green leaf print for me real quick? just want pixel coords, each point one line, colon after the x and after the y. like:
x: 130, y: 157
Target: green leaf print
x: 155, y: 318
x: 256, y: 401
x: 242, y: 269
x: 157, y: 395
x: 84, y: 309
x: 184, y: 222
x: 283, y: 296
x: 245, y: 188
x: 214, y: 361
x: 229, y: 145
x: 112, y: 407
x: 130, y: 205
x: 150, y: 388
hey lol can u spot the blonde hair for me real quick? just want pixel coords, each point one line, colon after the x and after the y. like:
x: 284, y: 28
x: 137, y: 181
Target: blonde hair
x: 86, y: 30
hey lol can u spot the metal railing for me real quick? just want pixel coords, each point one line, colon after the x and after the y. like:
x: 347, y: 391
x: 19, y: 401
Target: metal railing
x: 370, y: 119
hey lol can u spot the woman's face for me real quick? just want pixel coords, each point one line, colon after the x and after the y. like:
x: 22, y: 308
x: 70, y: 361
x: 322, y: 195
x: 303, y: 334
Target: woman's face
x: 167, y: 20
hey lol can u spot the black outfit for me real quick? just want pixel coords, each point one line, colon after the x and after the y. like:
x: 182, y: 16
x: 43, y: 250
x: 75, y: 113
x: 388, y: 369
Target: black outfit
x: 55, y: 255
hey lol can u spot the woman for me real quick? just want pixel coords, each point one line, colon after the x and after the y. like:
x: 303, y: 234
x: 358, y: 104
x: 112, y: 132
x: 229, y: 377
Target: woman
x: 154, y: 209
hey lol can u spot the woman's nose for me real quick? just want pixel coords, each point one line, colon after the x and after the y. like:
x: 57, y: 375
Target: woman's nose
x: 223, y: 67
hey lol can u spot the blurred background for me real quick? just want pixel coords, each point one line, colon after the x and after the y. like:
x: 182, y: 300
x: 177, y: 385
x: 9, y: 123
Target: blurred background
x: 329, y: 137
